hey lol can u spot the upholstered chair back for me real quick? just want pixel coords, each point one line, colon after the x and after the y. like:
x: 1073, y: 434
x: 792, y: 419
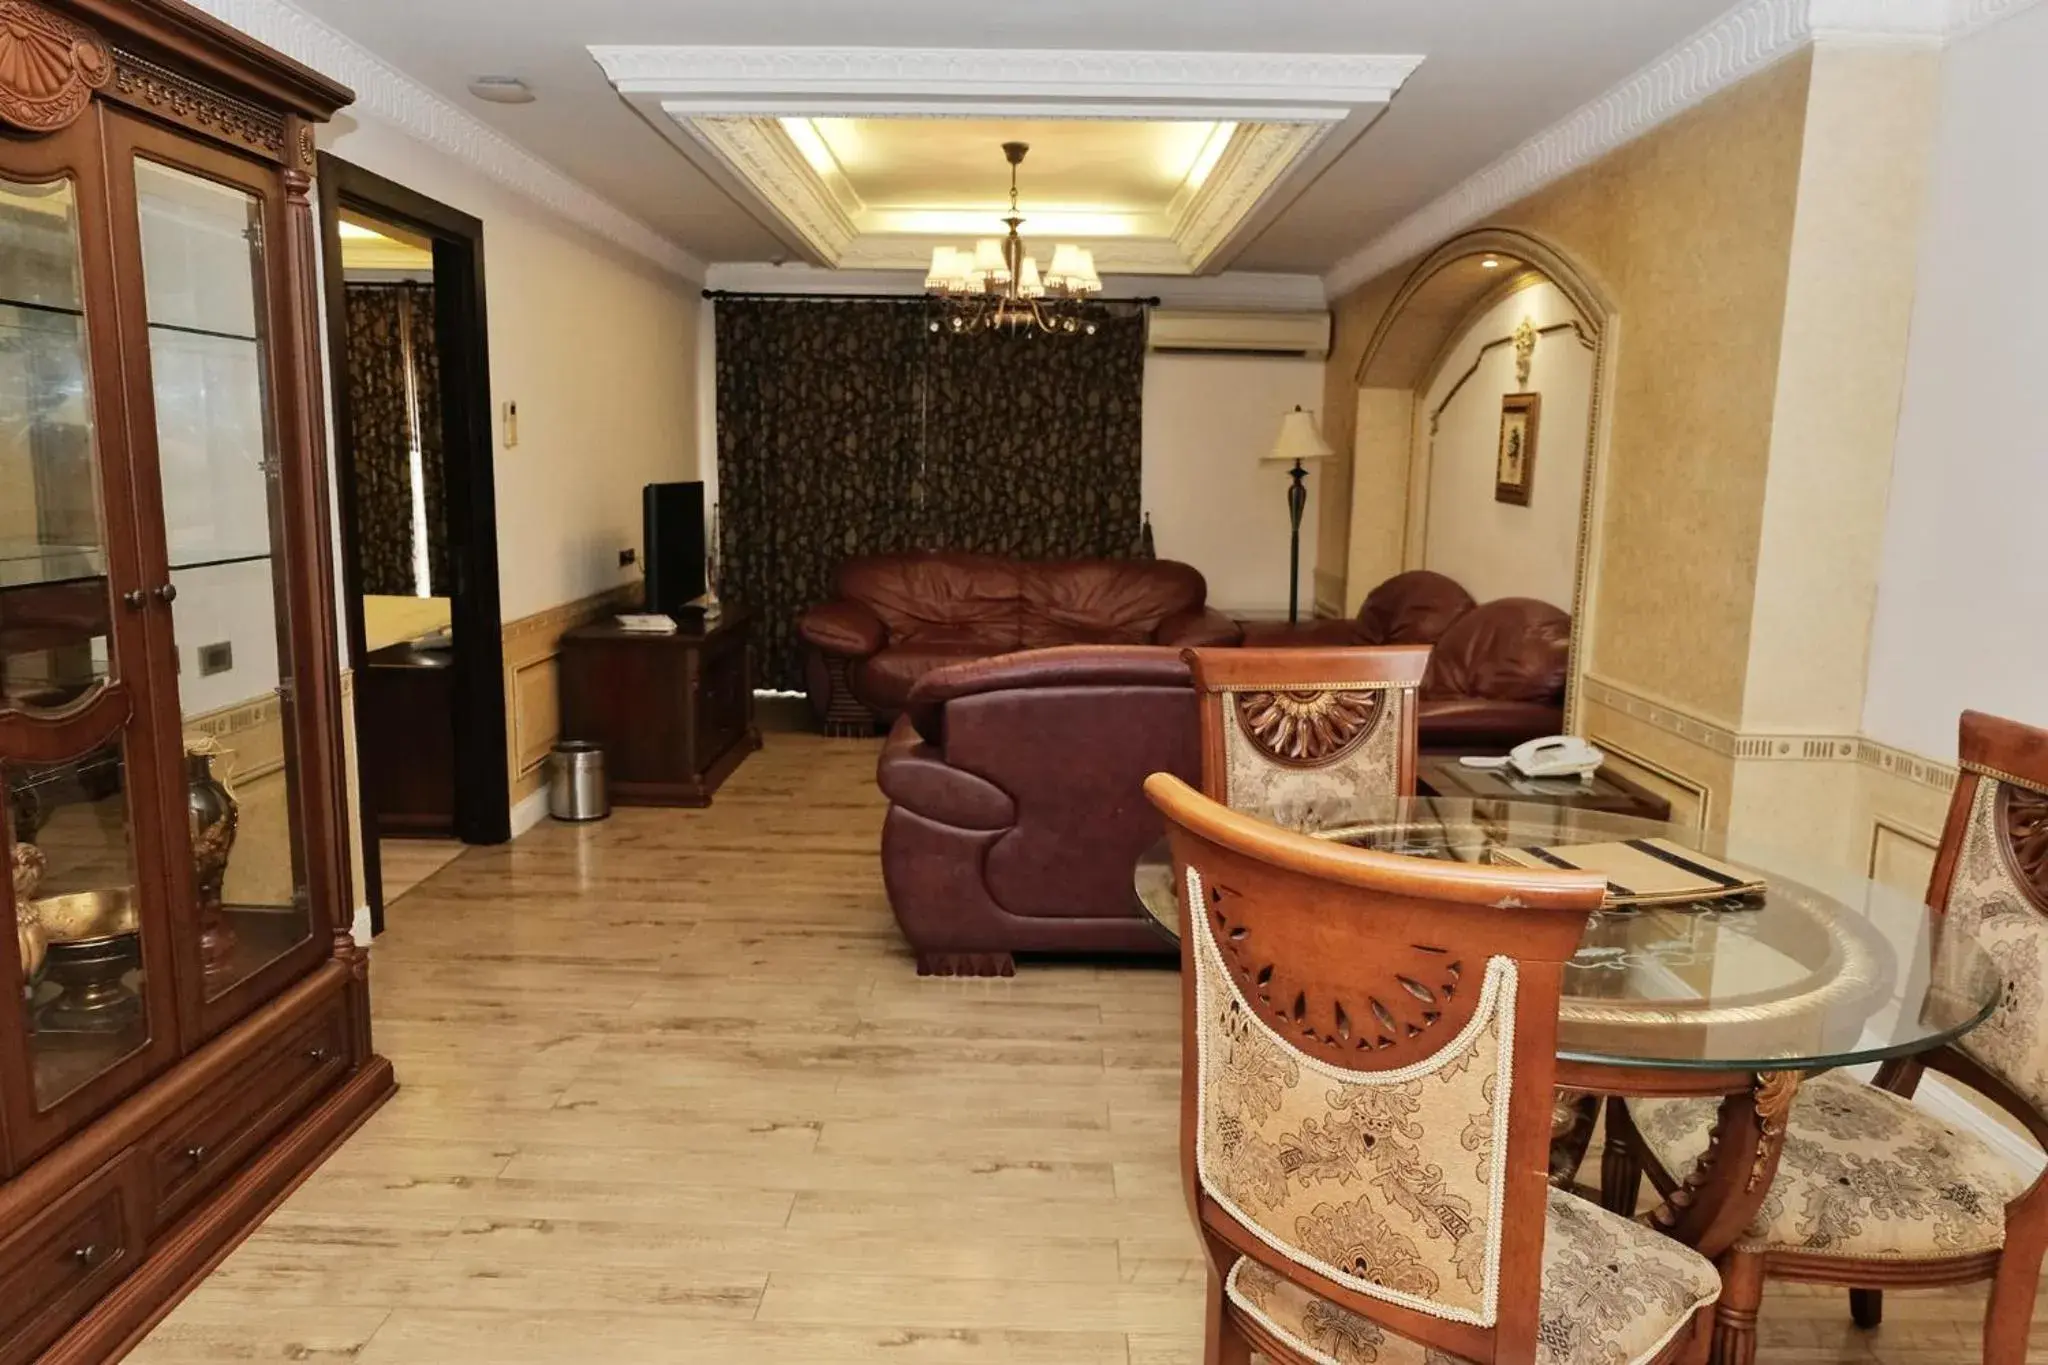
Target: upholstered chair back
x: 1991, y: 881
x: 1368, y: 1055
x: 1297, y: 735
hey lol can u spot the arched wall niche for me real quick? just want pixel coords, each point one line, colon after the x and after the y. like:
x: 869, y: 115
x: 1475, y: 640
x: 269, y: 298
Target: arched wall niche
x: 1444, y: 292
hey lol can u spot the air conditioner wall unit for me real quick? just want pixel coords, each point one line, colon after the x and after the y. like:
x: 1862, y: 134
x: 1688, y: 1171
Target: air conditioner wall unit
x: 1220, y: 332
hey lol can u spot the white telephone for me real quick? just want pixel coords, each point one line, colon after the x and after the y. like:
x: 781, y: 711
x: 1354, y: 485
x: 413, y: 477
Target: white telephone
x: 1555, y: 756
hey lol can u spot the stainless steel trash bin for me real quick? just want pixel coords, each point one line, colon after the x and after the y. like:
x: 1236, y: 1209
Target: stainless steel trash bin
x: 576, y: 785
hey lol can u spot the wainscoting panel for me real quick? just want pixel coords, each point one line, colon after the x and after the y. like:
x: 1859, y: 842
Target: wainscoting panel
x: 533, y: 715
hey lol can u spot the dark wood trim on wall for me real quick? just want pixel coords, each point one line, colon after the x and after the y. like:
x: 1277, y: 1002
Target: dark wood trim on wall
x: 483, y: 795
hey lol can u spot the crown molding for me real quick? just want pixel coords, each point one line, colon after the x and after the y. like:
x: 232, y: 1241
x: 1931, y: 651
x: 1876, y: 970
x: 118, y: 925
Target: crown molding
x: 1734, y: 47
x: 388, y: 95
x: 763, y: 155
x: 986, y: 75
x: 1256, y: 159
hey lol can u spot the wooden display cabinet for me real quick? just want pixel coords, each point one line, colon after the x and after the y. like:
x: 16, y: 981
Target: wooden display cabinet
x: 186, y: 1031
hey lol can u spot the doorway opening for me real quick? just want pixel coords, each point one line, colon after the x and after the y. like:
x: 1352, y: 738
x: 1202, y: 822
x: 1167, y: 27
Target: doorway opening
x: 407, y: 348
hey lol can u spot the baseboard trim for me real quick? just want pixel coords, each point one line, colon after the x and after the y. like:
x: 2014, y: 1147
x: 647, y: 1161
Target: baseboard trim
x: 529, y: 812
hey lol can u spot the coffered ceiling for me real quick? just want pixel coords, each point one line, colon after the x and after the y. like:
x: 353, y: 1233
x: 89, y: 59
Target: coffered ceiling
x: 1334, y: 161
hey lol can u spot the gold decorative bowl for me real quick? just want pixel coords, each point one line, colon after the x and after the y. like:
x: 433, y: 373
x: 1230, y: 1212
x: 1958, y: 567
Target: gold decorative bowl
x: 87, y: 916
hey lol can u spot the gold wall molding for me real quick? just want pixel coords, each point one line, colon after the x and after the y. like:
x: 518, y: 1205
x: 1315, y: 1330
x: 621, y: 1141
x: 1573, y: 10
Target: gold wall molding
x: 1749, y: 746
x: 532, y: 645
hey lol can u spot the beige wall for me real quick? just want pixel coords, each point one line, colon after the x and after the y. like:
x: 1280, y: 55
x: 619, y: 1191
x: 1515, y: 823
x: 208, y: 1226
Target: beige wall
x: 597, y: 347
x: 1687, y: 230
x: 1758, y: 254
x: 1457, y: 525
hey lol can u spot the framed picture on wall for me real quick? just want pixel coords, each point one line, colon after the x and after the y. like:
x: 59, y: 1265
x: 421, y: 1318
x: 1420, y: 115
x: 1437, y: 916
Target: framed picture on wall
x: 1515, y: 466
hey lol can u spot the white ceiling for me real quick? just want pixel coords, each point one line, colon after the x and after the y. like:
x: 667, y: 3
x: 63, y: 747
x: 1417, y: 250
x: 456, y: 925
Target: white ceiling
x: 1496, y: 72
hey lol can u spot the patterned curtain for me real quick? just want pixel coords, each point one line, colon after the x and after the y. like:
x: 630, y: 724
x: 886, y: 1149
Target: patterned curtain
x: 850, y: 427
x: 1033, y: 449
x: 820, y: 415
x: 394, y: 389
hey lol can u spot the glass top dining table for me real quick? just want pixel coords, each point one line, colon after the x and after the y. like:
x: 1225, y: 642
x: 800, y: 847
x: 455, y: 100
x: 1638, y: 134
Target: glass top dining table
x: 1825, y: 968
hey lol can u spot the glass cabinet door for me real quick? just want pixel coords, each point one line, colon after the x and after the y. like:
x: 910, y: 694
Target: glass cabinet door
x: 205, y: 271
x: 88, y: 965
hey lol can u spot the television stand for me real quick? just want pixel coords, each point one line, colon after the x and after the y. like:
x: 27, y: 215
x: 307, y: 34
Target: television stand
x: 674, y: 714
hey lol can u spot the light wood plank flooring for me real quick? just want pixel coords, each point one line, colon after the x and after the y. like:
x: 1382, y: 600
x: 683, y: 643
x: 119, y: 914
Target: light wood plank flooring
x: 408, y: 862
x: 673, y: 1093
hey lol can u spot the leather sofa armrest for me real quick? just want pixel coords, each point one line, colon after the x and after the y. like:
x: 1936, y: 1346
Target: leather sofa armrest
x: 1198, y: 629
x: 1059, y: 666
x: 914, y: 775
x: 843, y: 627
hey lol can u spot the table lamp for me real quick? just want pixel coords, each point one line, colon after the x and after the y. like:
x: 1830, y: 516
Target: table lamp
x: 1298, y: 441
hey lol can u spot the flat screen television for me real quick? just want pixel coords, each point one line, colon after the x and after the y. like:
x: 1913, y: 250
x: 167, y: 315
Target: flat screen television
x: 672, y: 524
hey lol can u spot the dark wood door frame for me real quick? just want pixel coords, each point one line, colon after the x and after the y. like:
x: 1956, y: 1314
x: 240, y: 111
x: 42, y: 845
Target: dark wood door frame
x: 483, y: 788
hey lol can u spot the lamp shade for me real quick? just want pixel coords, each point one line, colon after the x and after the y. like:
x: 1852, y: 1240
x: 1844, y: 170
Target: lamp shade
x: 1029, y: 285
x: 1298, y: 440
x: 989, y: 261
x: 946, y: 270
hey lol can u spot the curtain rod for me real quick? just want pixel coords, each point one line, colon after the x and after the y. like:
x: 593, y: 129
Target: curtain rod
x: 920, y: 299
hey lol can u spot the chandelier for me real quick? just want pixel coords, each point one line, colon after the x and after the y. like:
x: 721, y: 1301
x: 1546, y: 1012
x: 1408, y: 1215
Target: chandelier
x: 996, y: 286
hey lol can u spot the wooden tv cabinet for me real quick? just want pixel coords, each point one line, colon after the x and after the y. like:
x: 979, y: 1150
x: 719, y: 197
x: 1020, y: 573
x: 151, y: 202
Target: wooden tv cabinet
x: 673, y: 713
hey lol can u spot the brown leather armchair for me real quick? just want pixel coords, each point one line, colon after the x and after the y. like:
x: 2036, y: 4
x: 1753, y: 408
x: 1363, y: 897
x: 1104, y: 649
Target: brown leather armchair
x: 1497, y: 677
x: 1017, y: 806
x: 898, y: 617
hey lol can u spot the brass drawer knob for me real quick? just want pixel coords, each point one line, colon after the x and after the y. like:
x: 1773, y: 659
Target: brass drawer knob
x: 319, y: 1055
x: 87, y: 1256
x: 196, y: 1153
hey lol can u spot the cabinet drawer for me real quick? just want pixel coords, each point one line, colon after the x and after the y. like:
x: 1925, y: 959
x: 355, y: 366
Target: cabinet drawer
x: 205, y: 1141
x: 721, y: 702
x: 67, y: 1258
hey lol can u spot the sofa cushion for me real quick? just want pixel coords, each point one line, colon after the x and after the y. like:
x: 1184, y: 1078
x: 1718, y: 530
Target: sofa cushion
x: 938, y: 599
x: 1104, y: 602
x: 883, y: 681
x: 1413, y: 608
x: 1513, y: 649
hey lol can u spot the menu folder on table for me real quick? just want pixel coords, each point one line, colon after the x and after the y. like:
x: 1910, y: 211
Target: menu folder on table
x: 1643, y: 871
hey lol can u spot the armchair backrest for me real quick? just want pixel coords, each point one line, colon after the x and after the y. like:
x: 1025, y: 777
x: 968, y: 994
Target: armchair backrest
x: 1299, y: 735
x: 1368, y: 1055
x: 1412, y: 608
x: 1991, y: 882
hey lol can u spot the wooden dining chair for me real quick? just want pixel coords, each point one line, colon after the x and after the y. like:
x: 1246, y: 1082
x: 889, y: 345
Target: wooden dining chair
x: 1873, y: 1192
x: 1368, y: 1051
x: 1297, y: 735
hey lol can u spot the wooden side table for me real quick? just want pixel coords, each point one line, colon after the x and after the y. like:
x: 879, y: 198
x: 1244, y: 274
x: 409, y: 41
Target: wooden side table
x: 673, y: 713
x: 1608, y: 792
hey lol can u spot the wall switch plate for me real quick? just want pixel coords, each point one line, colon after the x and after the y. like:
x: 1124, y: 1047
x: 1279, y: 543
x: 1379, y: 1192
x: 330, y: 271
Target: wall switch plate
x: 628, y: 558
x: 511, y: 424
x: 214, y: 659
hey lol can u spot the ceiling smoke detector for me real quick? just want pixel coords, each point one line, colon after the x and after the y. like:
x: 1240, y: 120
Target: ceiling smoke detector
x: 501, y: 90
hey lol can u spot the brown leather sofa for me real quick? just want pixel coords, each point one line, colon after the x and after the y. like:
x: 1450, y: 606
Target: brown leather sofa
x: 898, y: 617
x: 1497, y: 676
x: 1017, y: 805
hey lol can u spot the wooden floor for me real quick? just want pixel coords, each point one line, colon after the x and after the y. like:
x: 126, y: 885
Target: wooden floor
x: 673, y: 1093
x: 408, y: 862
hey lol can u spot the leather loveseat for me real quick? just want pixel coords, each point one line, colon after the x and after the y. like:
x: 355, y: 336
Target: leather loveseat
x: 1017, y: 805
x: 1497, y: 671
x: 898, y: 617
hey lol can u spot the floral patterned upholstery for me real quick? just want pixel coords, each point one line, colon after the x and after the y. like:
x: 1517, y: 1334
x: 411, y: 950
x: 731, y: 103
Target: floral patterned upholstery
x: 1996, y: 898
x: 1298, y: 757
x: 1387, y: 1182
x: 1865, y: 1175
x: 1614, y: 1293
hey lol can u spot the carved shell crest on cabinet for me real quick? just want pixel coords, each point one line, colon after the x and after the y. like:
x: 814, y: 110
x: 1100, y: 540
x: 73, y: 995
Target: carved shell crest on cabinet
x: 2024, y: 816
x: 49, y: 67
x: 1308, y: 729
